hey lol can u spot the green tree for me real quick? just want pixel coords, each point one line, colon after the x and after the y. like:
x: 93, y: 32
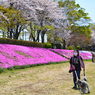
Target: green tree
x: 75, y: 14
x: 85, y: 30
x: 3, y: 21
x: 77, y: 17
x: 17, y: 22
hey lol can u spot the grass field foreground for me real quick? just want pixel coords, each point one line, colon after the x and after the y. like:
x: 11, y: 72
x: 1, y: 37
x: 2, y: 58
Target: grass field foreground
x: 52, y: 79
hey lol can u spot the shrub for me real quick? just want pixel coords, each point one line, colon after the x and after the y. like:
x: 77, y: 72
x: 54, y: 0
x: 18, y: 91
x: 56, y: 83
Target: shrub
x: 19, y: 67
x: 16, y: 67
x: 2, y: 70
x: 52, y: 45
x: 20, y: 42
x: 24, y: 66
x: 78, y: 47
x: 47, y: 45
x: 58, y: 46
x: 10, y: 68
x: 70, y: 47
x: 83, y: 49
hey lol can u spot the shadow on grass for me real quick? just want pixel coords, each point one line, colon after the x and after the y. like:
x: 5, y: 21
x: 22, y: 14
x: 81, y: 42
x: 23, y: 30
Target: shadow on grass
x: 76, y: 88
x: 81, y: 92
x: 84, y: 93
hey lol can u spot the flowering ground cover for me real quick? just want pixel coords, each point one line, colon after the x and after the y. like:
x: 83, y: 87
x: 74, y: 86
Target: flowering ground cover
x: 66, y: 53
x: 85, y: 54
x: 15, y: 55
x: 69, y: 53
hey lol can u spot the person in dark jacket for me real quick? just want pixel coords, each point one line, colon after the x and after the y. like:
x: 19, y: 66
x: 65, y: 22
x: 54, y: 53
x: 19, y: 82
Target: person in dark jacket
x: 93, y: 56
x: 77, y: 62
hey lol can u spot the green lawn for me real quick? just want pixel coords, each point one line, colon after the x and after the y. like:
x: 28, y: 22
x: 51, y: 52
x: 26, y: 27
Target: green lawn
x: 52, y: 79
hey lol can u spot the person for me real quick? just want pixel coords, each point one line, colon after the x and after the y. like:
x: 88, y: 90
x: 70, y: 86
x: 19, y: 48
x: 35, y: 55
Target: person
x: 93, y: 55
x: 76, y: 62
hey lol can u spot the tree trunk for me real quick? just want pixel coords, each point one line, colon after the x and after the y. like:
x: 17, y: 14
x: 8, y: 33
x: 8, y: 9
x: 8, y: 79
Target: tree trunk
x: 8, y: 36
x: 3, y: 34
x: 25, y: 35
x: 33, y: 38
x: 17, y: 31
x: 42, y: 36
x: 38, y: 34
x: 64, y: 44
x: 30, y: 36
x: 11, y: 33
x: 16, y: 34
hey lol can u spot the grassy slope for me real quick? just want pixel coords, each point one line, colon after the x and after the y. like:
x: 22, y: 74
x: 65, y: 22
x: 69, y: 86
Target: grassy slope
x: 52, y: 79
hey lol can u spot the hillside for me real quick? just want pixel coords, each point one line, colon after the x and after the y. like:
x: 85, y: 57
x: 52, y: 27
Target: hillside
x: 15, y: 55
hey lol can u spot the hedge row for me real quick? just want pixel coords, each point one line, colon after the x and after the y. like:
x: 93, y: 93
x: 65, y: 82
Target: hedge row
x: 57, y: 46
x: 2, y: 70
x: 20, y: 42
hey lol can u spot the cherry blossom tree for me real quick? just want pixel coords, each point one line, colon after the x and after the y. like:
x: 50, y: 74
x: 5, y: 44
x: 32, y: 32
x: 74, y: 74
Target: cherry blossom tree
x: 49, y: 13
x: 63, y: 33
x: 41, y: 13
